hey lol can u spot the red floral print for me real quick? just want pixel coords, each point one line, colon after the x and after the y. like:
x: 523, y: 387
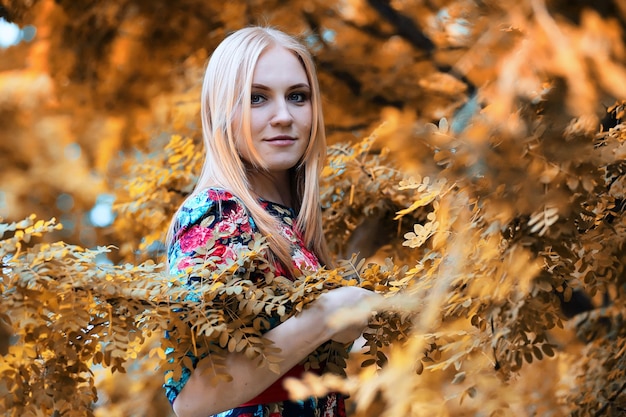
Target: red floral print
x: 216, y: 194
x: 196, y: 237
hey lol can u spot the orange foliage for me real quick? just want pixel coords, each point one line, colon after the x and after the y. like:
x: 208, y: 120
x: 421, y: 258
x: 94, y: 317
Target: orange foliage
x: 477, y: 166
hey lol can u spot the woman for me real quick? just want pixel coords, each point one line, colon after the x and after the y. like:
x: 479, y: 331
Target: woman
x: 265, y: 147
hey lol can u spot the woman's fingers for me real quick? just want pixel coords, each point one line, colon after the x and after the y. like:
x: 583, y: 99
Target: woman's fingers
x: 348, y: 312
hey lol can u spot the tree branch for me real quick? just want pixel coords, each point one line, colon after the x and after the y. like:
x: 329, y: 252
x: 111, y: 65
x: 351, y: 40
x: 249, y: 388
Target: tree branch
x: 404, y: 25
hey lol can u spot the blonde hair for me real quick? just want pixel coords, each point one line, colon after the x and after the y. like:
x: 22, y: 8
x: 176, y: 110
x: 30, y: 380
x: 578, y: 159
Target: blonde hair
x: 226, y: 90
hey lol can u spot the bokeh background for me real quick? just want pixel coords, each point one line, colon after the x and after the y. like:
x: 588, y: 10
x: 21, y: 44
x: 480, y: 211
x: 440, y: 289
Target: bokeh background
x: 517, y: 104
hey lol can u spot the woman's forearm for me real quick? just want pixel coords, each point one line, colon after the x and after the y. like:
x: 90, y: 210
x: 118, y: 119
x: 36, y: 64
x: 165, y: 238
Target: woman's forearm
x: 296, y: 337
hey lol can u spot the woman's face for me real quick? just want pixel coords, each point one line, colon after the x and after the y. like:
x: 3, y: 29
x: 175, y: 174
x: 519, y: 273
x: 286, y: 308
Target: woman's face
x: 280, y: 116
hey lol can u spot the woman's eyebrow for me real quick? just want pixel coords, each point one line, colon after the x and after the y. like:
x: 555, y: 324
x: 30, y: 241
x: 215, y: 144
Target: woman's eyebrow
x: 293, y: 87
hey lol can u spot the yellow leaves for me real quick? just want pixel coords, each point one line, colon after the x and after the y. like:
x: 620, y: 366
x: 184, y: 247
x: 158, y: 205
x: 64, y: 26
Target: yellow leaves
x: 474, y: 288
x: 468, y: 255
x: 57, y: 298
x: 154, y: 192
x: 421, y: 233
x: 426, y: 193
x: 442, y: 83
x: 23, y: 231
x: 182, y: 153
x: 541, y: 221
x: 549, y: 174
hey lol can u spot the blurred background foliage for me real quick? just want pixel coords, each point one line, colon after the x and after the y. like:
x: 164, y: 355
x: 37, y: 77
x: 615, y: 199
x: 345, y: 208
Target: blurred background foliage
x: 478, y: 144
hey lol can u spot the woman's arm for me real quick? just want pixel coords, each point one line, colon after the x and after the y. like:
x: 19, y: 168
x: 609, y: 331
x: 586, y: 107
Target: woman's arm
x: 297, y: 337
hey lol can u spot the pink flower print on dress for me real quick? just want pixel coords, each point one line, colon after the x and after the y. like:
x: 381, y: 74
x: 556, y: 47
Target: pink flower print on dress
x: 245, y: 227
x: 331, y: 404
x: 298, y: 234
x: 280, y: 271
x: 195, y: 237
x: 311, y: 258
x: 219, y: 195
x: 184, y: 263
x: 222, y: 251
x: 289, y: 233
x: 303, y: 259
x: 226, y: 228
x: 237, y: 216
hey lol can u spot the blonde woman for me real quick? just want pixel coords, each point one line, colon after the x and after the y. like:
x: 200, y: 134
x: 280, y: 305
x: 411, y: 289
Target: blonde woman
x: 265, y: 147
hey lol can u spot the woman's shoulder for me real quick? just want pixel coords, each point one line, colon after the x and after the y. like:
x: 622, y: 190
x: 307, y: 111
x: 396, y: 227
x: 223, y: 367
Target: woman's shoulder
x: 206, y: 202
x: 212, y: 222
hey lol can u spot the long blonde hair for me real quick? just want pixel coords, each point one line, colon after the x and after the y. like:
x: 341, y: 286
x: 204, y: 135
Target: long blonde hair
x: 226, y: 89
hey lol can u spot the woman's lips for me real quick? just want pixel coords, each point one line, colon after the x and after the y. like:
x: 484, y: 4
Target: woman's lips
x: 281, y: 140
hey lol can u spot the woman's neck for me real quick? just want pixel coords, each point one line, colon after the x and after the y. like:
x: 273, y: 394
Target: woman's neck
x: 272, y: 187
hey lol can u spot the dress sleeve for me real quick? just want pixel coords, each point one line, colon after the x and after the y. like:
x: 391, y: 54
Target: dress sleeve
x: 213, y: 225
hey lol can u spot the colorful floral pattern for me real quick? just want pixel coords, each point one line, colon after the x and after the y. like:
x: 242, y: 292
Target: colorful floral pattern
x: 214, y: 225
x: 332, y: 405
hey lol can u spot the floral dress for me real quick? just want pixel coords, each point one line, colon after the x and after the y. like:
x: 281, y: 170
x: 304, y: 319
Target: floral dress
x: 216, y: 224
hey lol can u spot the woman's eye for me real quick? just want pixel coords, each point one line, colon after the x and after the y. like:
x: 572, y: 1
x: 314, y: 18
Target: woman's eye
x: 256, y: 99
x: 298, y: 97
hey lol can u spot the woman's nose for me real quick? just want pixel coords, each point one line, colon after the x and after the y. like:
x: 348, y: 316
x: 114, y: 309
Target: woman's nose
x: 282, y: 114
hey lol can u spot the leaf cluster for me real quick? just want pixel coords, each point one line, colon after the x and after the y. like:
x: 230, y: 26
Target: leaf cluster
x: 67, y: 313
x: 151, y: 194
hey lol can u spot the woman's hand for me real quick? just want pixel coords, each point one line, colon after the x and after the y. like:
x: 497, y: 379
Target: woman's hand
x: 347, y: 311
